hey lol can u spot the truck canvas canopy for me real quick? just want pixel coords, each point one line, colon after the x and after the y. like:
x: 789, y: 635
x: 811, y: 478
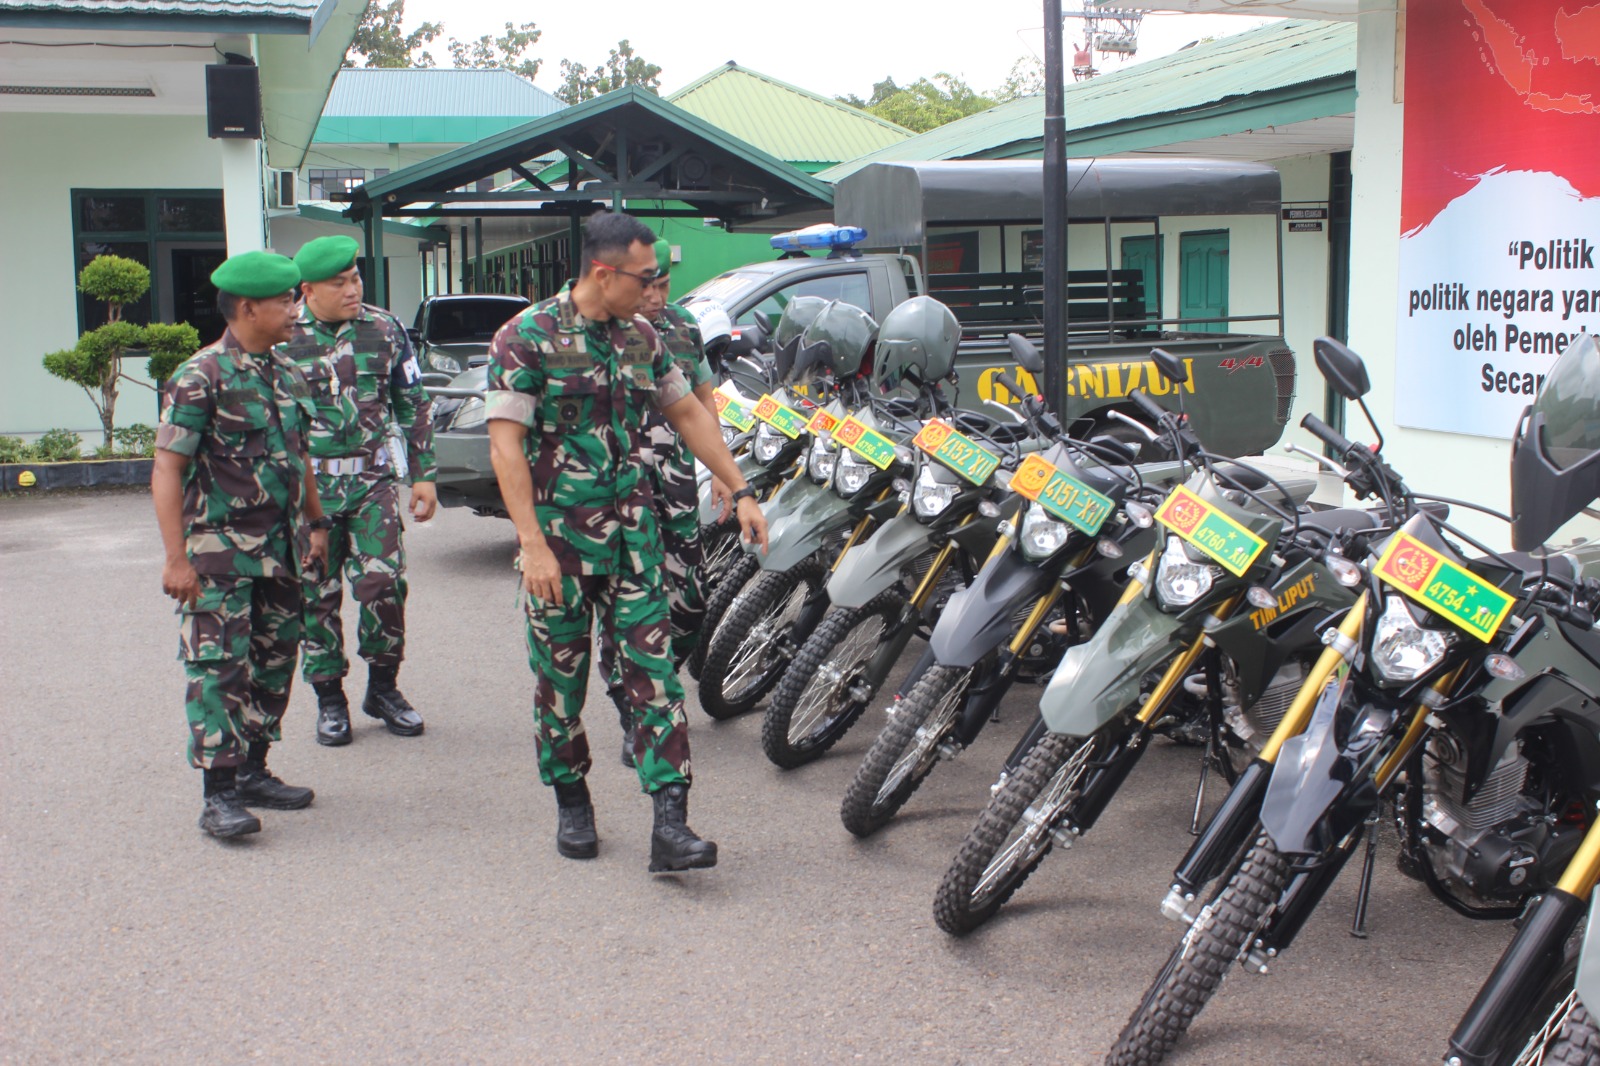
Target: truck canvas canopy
x: 897, y: 203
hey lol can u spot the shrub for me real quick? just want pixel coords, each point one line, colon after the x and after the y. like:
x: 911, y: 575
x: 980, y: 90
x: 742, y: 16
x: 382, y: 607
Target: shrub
x: 169, y: 345
x: 57, y: 446
x: 138, y: 441
x: 14, y: 450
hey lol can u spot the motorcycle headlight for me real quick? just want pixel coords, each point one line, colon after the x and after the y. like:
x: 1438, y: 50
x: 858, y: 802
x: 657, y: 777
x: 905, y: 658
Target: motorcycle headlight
x: 1403, y: 650
x: 1042, y: 533
x: 1180, y: 580
x: 821, y: 460
x: 769, y: 442
x: 469, y: 415
x: 444, y: 363
x: 728, y: 435
x: 851, y: 474
x: 930, y: 496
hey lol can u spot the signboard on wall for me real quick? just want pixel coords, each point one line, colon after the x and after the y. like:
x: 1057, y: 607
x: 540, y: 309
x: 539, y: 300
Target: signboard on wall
x: 1500, y: 206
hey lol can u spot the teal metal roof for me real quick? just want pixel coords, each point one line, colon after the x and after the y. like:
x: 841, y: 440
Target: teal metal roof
x: 248, y: 16
x: 428, y: 105
x: 784, y: 120
x: 1276, y: 74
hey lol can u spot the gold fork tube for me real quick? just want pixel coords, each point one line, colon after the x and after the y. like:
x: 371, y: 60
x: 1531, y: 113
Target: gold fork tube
x: 1299, y: 712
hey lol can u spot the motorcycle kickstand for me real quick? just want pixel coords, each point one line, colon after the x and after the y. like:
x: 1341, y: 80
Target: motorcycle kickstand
x: 1358, y: 927
x: 1213, y: 743
x: 1200, y: 790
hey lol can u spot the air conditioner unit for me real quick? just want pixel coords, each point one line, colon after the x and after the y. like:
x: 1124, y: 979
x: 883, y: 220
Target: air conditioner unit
x: 281, y: 188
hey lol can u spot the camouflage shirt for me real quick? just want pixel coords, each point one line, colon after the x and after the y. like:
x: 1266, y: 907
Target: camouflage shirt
x: 681, y: 334
x: 585, y: 389
x: 243, y: 420
x: 359, y: 371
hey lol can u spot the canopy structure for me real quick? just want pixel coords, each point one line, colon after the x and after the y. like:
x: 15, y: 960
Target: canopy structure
x: 896, y: 203
x: 628, y: 145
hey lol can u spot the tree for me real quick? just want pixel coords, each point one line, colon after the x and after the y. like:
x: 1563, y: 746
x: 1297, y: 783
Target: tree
x: 95, y: 362
x: 1026, y: 79
x: 621, y: 67
x: 928, y: 102
x: 383, y: 41
x: 881, y: 91
x: 508, y: 52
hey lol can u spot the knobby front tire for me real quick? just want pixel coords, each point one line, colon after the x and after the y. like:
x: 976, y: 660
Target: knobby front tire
x: 1216, y: 940
x: 746, y: 657
x: 738, y: 573
x: 905, y: 752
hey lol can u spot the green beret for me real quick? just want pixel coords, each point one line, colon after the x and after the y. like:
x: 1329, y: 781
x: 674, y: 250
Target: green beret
x: 256, y: 275
x: 322, y: 258
x: 663, y: 256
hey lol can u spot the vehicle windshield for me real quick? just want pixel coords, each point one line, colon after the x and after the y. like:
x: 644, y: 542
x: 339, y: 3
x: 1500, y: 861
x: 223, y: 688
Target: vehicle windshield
x: 725, y: 289
x: 1570, y: 403
x: 469, y: 321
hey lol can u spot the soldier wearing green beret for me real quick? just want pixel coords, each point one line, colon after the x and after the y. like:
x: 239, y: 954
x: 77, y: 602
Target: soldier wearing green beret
x: 676, y: 490
x: 228, y: 484
x: 571, y: 381
x: 363, y: 376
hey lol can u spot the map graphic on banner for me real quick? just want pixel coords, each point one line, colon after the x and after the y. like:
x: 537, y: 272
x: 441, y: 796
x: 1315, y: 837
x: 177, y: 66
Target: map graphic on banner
x: 1500, y: 206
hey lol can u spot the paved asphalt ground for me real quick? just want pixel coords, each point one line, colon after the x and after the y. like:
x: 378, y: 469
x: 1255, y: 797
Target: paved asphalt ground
x: 418, y: 911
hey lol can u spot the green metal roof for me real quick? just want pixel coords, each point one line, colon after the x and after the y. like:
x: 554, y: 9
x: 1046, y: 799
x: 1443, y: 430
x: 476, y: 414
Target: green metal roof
x: 247, y: 16
x: 1276, y: 74
x: 428, y: 105
x: 784, y: 120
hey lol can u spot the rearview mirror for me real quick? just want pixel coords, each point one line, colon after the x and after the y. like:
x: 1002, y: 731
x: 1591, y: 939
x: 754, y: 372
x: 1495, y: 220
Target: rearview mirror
x: 764, y: 322
x: 1025, y: 352
x: 1342, y: 368
x: 1169, y: 366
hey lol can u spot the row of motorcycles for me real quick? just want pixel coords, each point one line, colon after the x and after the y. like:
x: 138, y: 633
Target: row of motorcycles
x: 1338, y: 669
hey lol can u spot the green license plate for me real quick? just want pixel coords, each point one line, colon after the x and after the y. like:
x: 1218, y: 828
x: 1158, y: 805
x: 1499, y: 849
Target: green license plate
x: 1210, y: 530
x: 871, y: 445
x: 1449, y: 591
x: 1062, y: 495
x: 733, y: 412
x: 785, y: 420
x: 957, y: 451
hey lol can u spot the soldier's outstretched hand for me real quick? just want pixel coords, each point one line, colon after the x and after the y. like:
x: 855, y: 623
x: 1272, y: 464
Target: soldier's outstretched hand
x: 753, y: 522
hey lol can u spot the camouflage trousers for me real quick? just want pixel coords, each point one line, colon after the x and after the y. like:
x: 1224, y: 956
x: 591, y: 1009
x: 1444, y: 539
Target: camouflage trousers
x: 364, y: 548
x: 632, y: 610
x: 677, y: 497
x: 237, y: 643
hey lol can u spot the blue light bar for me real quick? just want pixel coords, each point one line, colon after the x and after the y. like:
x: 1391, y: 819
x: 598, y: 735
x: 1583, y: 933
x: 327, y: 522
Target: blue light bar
x: 822, y: 235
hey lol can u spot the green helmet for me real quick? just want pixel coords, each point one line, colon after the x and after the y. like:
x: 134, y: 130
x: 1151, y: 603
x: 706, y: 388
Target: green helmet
x: 837, y: 338
x: 786, y: 335
x: 919, y: 336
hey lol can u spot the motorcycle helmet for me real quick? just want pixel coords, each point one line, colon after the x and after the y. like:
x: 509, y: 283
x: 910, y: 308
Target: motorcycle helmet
x: 716, y: 332
x: 786, y: 336
x: 1555, y: 455
x: 920, y: 336
x: 838, y: 339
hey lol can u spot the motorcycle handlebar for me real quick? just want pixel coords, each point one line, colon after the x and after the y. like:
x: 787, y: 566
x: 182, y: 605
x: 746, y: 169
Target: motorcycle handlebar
x: 1152, y: 410
x: 1327, y: 434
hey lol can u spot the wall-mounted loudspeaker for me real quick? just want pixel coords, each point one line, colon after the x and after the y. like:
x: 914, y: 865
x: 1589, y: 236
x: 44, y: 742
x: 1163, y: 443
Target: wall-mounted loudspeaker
x: 233, y: 101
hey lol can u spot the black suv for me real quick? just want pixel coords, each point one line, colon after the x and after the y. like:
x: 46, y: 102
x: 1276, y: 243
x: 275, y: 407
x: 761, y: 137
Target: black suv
x: 452, y: 333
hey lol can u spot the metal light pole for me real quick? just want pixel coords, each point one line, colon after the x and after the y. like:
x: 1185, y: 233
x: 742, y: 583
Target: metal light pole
x: 1055, y: 213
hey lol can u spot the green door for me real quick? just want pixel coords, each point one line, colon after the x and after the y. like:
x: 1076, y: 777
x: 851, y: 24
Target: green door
x: 1144, y: 255
x: 1203, y: 278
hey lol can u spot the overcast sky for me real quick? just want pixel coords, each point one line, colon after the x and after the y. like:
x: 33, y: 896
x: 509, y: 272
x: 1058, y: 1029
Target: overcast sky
x: 833, y: 47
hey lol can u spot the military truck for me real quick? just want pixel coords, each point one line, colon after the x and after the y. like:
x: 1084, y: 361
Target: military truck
x: 964, y: 233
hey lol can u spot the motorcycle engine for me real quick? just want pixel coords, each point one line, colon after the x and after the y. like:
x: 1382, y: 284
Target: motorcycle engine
x: 1256, y: 725
x: 1499, y: 846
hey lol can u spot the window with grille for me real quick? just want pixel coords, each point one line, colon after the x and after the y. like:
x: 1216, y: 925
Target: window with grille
x: 322, y: 184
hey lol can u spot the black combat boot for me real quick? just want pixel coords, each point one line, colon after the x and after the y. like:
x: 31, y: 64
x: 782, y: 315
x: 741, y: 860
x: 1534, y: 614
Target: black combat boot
x: 673, y: 845
x: 624, y: 716
x: 333, y: 713
x: 575, y: 835
x: 259, y: 787
x: 224, y: 815
x: 384, y: 701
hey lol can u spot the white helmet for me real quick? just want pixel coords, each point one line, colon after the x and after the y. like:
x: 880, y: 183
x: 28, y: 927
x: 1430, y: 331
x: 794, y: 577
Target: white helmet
x: 716, y: 331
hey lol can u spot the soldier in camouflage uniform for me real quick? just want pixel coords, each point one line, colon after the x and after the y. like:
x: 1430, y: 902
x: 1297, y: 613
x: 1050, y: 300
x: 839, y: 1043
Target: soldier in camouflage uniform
x: 676, y: 490
x: 228, y: 482
x: 571, y: 381
x: 362, y: 372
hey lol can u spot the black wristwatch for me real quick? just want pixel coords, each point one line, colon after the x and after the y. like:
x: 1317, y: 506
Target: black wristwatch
x: 746, y: 493
x: 321, y: 523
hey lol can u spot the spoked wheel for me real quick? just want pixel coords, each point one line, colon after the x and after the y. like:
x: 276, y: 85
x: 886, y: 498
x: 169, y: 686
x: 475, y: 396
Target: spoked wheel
x: 1558, y: 1030
x: 825, y: 689
x: 739, y: 572
x: 905, y: 752
x: 1015, y: 832
x: 754, y: 644
x: 720, y: 547
x: 1215, y: 941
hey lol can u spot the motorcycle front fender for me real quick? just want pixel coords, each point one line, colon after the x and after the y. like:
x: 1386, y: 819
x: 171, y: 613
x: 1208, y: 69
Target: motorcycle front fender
x: 1099, y: 678
x: 1314, y: 798
x: 748, y: 467
x: 798, y: 518
x: 980, y: 617
x: 874, y: 566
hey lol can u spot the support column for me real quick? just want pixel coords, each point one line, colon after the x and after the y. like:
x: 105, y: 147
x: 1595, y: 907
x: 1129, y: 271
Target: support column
x: 244, y: 206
